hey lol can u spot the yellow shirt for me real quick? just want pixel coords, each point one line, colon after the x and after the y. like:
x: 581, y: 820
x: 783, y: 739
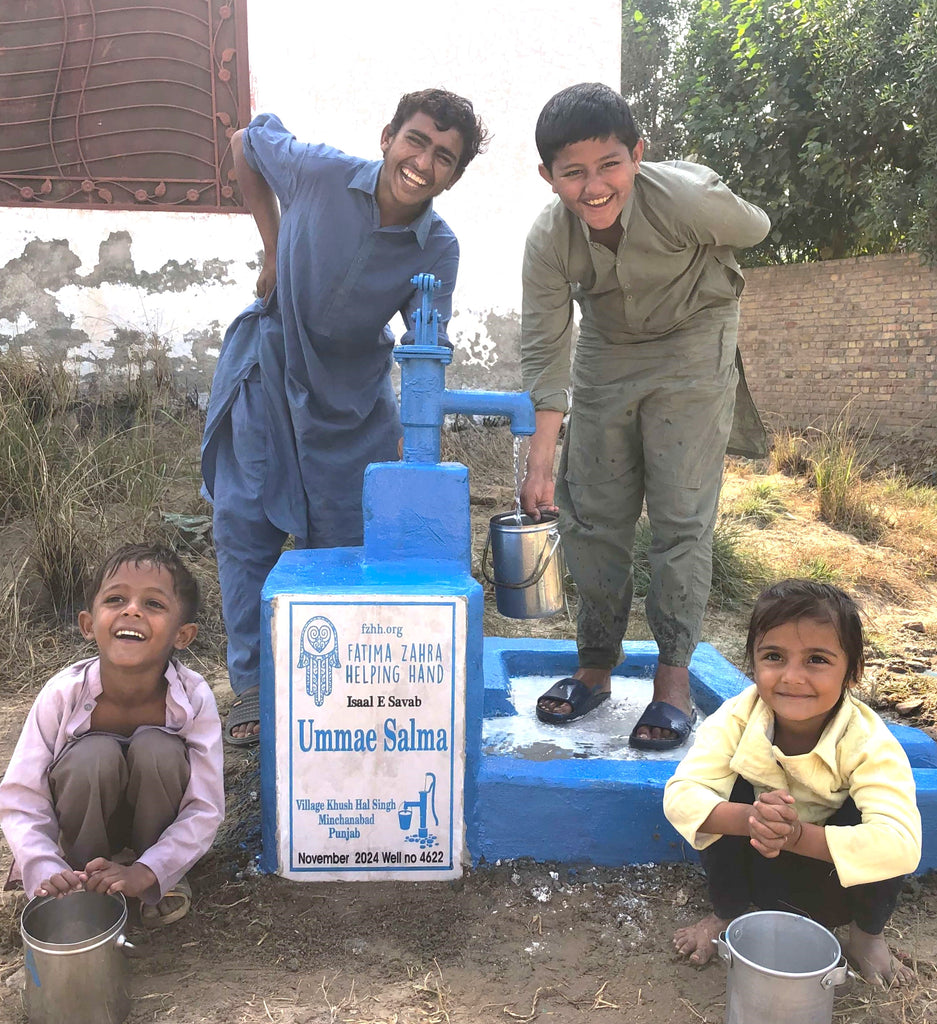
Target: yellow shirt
x: 856, y: 756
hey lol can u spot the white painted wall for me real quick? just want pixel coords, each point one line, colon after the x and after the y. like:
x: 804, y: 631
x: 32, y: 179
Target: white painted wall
x: 334, y: 73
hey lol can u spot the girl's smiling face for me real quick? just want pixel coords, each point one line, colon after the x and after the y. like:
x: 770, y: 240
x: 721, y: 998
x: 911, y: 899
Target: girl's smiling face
x: 136, y: 618
x: 800, y: 672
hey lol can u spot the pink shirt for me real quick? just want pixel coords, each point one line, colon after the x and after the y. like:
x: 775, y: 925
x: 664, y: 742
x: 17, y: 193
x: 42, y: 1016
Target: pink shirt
x: 61, y: 715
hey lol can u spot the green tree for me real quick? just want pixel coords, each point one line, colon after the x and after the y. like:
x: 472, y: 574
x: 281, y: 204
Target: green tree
x: 648, y: 31
x: 824, y: 112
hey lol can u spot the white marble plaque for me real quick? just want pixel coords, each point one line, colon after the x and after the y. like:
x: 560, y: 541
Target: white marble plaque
x: 370, y: 724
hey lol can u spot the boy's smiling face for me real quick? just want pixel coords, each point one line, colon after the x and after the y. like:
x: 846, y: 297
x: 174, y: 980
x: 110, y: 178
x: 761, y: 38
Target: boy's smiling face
x: 136, y: 619
x: 594, y: 178
x: 420, y: 162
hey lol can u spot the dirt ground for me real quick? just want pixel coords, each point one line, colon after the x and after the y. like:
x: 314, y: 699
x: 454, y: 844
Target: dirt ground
x: 510, y: 942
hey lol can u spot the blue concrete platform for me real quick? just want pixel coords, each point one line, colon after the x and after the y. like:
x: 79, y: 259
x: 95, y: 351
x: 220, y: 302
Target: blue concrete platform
x: 609, y: 812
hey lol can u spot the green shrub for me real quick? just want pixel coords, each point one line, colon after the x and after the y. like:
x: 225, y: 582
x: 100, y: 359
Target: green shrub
x: 761, y: 503
x: 738, y: 573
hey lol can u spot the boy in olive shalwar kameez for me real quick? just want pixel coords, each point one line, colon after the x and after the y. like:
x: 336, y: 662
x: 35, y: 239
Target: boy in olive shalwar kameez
x: 646, y: 251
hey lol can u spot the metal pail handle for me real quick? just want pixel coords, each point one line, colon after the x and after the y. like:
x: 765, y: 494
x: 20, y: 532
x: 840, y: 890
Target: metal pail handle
x: 131, y: 951
x: 539, y: 569
x: 838, y: 975
x: 832, y: 979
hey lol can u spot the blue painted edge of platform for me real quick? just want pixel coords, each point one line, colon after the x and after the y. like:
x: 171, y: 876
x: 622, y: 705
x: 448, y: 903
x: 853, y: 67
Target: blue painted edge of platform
x: 607, y: 812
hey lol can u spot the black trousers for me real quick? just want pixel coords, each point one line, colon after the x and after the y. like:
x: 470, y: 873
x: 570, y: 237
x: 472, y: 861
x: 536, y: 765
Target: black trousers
x: 739, y: 876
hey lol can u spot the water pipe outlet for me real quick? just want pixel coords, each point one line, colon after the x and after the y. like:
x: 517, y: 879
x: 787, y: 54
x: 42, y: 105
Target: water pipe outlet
x: 424, y: 398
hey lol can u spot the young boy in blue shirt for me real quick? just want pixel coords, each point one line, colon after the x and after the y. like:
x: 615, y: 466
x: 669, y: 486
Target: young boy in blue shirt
x: 302, y: 400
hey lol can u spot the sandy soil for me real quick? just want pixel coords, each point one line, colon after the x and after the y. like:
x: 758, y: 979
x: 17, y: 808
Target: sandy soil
x: 511, y: 942
x: 508, y: 942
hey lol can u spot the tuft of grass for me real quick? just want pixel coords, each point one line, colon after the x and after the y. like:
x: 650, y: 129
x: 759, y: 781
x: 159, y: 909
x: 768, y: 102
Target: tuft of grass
x: 761, y: 503
x: 819, y: 569
x: 841, y: 459
x: 838, y: 461
x: 738, y: 573
x: 789, y: 453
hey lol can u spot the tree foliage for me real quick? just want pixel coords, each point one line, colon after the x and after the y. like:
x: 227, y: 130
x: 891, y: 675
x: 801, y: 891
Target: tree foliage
x: 823, y: 112
x: 649, y: 29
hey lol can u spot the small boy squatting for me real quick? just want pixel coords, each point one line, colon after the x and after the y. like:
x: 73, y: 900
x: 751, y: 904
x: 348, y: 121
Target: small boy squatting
x: 122, y: 750
x: 795, y: 793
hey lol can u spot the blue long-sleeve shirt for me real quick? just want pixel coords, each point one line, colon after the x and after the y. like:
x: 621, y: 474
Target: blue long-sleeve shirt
x: 322, y: 341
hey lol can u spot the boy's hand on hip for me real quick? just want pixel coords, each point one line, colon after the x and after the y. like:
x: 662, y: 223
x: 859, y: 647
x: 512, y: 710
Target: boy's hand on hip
x: 61, y: 884
x: 266, y: 280
x: 106, y: 876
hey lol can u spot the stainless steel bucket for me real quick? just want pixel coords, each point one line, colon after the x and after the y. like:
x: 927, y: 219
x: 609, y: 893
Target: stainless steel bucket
x: 783, y: 969
x: 76, y: 970
x: 527, y: 565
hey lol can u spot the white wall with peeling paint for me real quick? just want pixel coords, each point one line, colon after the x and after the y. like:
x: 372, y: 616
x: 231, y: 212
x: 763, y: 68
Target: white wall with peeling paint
x: 334, y: 73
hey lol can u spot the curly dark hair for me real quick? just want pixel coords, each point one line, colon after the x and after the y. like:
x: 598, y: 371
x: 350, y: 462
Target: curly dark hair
x: 447, y: 111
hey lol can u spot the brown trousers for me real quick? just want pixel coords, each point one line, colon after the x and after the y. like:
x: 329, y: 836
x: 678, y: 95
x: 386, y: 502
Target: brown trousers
x: 110, y: 792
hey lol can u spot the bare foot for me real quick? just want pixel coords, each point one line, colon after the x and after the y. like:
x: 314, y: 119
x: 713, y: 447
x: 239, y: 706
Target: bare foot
x: 595, y: 678
x: 245, y: 729
x: 872, y: 958
x: 698, y: 942
x: 671, y: 685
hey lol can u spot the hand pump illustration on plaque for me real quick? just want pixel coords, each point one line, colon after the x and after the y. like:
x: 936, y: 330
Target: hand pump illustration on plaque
x: 427, y: 805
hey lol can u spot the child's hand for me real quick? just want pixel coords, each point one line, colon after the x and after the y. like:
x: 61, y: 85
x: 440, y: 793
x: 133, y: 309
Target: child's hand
x: 774, y: 824
x: 106, y: 876
x: 61, y: 884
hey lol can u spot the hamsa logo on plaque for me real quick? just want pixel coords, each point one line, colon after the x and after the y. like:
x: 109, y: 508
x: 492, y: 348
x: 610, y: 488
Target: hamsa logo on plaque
x: 318, y: 655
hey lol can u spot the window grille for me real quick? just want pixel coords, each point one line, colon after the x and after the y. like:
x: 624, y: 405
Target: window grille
x: 122, y: 104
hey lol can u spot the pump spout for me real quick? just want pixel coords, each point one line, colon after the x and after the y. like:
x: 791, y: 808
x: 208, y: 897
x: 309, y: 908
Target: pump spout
x: 516, y: 405
x: 424, y: 397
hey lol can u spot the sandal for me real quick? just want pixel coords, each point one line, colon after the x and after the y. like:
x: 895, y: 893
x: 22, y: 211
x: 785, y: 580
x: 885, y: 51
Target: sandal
x: 581, y: 698
x: 244, y: 710
x: 661, y: 715
x: 150, y: 915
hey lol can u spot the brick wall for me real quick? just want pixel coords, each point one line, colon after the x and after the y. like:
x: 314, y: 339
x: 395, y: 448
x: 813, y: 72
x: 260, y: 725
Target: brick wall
x: 816, y: 336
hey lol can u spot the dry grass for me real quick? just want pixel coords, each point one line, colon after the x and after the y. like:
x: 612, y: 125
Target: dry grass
x: 81, y: 473
x: 759, y: 503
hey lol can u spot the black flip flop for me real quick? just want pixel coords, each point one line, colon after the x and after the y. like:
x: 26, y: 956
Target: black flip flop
x: 661, y: 715
x: 574, y: 692
x: 245, y: 709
